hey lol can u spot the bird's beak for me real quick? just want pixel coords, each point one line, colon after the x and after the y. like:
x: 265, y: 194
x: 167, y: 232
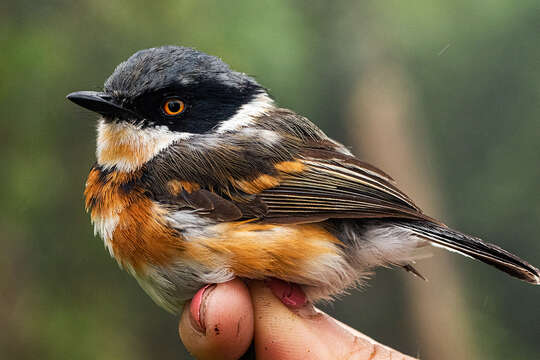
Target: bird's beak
x: 99, y: 102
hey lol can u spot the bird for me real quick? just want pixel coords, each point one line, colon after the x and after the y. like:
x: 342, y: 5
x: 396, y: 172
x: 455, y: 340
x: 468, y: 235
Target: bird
x: 200, y: 177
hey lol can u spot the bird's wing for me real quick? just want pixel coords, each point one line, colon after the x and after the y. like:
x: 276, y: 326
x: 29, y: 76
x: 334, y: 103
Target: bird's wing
x: 316, y: 184
x: 327, y: 184
x: 282, y: 169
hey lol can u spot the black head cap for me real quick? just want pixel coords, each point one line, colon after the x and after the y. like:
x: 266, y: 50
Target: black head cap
x: 210, y: 90
x: 173, y: 66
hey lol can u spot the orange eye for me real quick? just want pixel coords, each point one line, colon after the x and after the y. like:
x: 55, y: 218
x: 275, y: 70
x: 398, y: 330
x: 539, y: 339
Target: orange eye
x: 173, y: 106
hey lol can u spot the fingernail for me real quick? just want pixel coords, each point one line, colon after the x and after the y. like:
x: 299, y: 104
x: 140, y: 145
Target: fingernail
x: 290, y: 294
x: 197, y: 308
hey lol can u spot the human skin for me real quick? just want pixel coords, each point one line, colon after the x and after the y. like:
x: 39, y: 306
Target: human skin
x: 222, y: 320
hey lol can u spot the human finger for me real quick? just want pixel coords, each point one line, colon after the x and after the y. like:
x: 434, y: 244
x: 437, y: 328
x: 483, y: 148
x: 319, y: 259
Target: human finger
x: 300, y: 331
x: 218, y: 322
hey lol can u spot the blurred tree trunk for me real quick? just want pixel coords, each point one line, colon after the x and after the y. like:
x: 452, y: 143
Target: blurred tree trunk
x: 383, y: 129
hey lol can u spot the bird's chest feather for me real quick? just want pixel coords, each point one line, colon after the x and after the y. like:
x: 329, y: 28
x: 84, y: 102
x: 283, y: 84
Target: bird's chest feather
x: 131, y: 224
x: 173, y: 253
x: 139, y: 231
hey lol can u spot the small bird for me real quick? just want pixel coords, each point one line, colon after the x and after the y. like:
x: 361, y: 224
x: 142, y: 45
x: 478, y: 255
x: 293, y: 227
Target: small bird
x: 200, y: 178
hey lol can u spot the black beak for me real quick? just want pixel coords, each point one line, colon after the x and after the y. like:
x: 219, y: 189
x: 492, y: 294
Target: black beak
x: 101, y: 103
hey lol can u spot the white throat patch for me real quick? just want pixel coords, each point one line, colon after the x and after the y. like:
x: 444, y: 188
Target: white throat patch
x: 129, y: 146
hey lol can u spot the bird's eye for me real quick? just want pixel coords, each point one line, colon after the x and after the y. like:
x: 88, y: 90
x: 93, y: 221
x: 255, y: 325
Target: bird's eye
x: 173, y: 106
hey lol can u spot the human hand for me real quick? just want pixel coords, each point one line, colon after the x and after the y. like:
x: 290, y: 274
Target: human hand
x: 221, y: 321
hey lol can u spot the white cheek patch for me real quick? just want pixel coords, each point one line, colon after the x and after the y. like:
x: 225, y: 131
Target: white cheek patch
x: 261, y: 104
x: 127, y: 146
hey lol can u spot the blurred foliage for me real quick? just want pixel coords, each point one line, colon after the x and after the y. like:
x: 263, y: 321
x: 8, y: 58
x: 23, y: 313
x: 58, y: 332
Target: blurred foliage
x: 475, y: 72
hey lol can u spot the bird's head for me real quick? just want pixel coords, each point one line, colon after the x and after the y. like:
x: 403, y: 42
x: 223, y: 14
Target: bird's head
x: 167, y: 94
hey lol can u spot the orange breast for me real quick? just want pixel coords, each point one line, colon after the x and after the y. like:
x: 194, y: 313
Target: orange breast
x: 136, y: 231
x: 132, y: 225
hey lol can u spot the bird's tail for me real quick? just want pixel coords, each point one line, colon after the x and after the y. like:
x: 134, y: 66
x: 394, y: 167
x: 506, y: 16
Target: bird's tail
x: 471, y: 246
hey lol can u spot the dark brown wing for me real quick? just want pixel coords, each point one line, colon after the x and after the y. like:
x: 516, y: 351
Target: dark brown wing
x: 302, y: 177
x: 209, y: 204
x: 316, y: 185
x: 333, y: 185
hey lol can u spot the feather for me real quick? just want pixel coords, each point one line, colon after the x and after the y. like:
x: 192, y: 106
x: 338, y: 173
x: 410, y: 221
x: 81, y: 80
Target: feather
x: 473, y: 247
x: 412, y: 270
x: 300, y: 176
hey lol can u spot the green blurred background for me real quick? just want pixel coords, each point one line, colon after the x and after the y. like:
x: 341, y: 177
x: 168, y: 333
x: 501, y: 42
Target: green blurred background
x: 445, y: 95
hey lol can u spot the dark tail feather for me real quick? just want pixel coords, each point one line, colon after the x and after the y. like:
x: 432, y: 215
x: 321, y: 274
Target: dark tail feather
x: 474, y: 247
